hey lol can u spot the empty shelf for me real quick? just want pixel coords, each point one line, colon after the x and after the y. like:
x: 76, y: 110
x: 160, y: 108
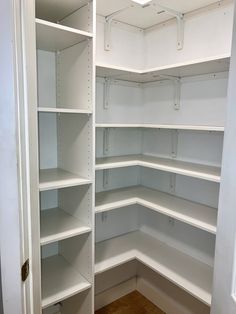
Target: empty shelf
x: 197, y: 67
x: 56, y: 178
x: 63, y: 110
x: 162, y: 126
x: 54, y: 37
x: 188, y: 273
x: 204, y: 172
x: 60, y: 281
x: 197, y: 215
x: 57, y: 225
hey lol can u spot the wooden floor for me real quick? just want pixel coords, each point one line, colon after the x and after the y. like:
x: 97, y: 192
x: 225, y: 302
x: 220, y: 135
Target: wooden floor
x: 132, y: 303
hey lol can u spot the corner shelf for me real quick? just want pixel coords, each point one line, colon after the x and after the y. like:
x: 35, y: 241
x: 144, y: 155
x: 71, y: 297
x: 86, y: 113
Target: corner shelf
x: 186, y: 272
x: 199, y: 171
x: 197, y: 67
x: 53, y: 37
x: 60, y: 281
x: 162, y: 126
x: 197, y: 215
x: 63, y: 110
x: 57, y: 178
x: 58, y: 225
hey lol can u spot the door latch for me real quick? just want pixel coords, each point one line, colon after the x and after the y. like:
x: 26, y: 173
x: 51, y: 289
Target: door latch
x: 25, y: 270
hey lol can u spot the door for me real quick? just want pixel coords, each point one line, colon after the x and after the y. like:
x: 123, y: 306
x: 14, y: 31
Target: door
x: 224, y: 288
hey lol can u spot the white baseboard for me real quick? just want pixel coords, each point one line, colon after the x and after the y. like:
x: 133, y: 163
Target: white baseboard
x: 159, y: 298
x: 106, y: 297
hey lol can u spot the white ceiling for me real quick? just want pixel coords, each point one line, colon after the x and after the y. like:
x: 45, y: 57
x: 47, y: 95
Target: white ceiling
x: 147, y: 16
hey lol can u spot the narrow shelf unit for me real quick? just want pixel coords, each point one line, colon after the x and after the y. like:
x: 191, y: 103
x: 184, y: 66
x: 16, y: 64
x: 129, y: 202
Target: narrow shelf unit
x: 60, y: 280
x: 57, y: 225
x: 203, y: 172
x: 57, y: 178
x: 191, y: 275
x: 197, y: 215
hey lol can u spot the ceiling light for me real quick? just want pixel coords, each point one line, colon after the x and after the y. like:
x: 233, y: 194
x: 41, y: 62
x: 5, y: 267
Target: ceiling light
x: 142, y: 2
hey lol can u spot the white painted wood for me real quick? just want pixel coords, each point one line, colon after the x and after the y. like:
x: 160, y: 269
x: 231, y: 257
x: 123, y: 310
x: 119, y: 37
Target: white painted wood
x: 63, y: 110
x: 203, y: 172
x: 197, y: 215
x: 54, y: 37
x: 224, y: 289
x: 60, y: 280
x: 147, y: 16
x: 162, y: 126
x: 182, y: 69
x: 56, y: 10
x: 189, y: 274
x: 56, y: 178
x: 57, y: 225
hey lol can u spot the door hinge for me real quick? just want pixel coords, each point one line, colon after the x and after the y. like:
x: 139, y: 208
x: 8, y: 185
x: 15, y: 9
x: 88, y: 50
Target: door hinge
x: 25, y: 270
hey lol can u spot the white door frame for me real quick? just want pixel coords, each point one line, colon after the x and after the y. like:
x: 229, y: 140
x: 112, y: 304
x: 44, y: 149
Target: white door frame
x: 224, y: 287
x: 19, y: 210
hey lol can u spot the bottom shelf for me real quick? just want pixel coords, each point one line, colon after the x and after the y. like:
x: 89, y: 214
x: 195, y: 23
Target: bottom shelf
x: 186, y: 272
x: 60, y: 280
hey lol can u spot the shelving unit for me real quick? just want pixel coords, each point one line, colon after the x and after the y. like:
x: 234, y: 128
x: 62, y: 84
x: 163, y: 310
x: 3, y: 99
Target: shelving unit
x: 188, y: 273
x: 175, y: 166
x: 54, y: 37
x: 159, y: 140
x: 200, y: 216
x: 60, y: 281
x: 58, y: 178
x: 57, y: 225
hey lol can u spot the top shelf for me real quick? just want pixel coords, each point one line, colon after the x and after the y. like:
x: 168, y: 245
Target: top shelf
x: 181, y: 70
x: 55, y: 37
x: 57, y: 10
x: 150, y: 14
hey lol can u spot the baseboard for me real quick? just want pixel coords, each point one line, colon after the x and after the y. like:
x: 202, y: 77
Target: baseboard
x: 159, y: 298
x: 106, y: 297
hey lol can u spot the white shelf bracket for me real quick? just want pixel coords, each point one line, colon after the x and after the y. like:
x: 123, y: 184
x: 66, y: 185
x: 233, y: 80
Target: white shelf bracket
x: 174, y: 143
x: 107, y: 27
x: 177, y: 93
x: 172, y: 182
x: 106, y: 95
x: 105, y: 178
x: 180, y: 24
x: 106, y: 141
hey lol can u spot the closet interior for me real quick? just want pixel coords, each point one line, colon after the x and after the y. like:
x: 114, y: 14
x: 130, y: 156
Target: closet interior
x: 131, y: 108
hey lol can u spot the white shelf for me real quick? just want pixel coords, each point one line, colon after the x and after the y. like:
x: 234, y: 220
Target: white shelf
x: 57, y: 225
x: 57, y: 10
x: 147, y: 16
x: 63, y: 110
x: 196, y: 67
x: 188, y: 273
x: 197, y: 215
x: 53, y: 37
x: 56, y: 178
x: 60, y: 281
x: 162, y: 126
x: 199, y: 171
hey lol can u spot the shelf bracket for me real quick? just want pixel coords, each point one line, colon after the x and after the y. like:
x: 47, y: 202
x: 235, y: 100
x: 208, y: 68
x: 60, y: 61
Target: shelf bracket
x: 105, y: 178
x: 105, y: 141
x: 174, y: 143
x: 180, y: 23
x: 106, y: 96
x: 107, y: 29
x: 177, y: 84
